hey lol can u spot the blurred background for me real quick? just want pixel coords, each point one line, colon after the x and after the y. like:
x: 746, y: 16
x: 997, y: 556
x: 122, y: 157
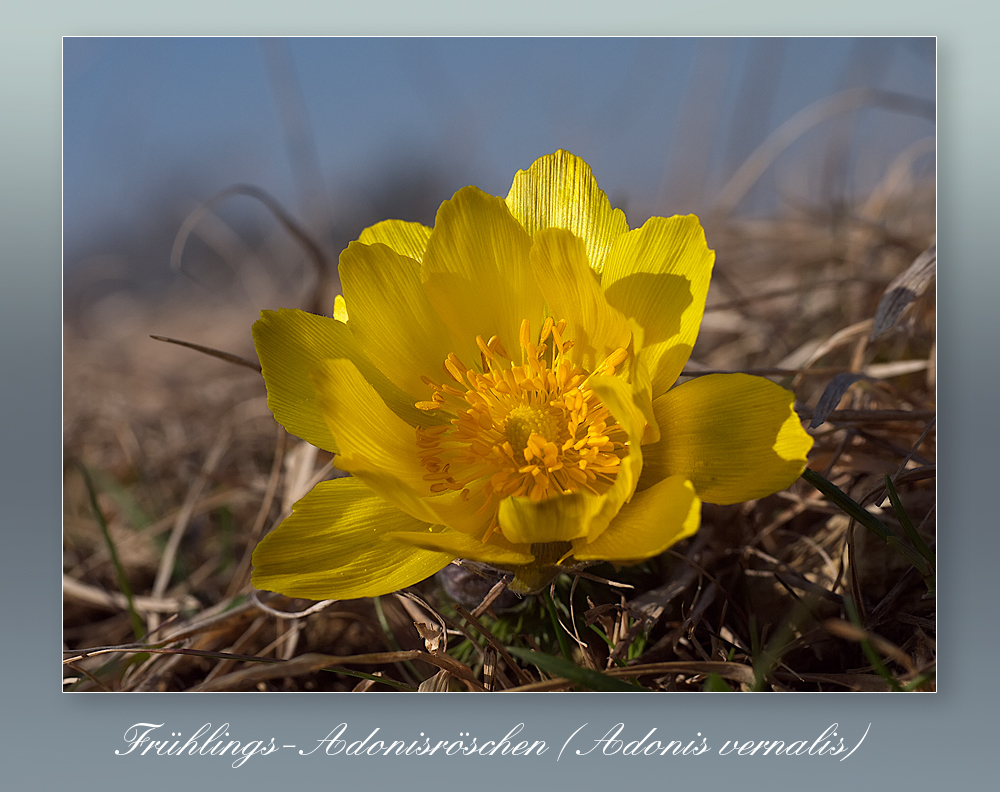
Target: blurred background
x: 346, y: 132
x: 810, y: 162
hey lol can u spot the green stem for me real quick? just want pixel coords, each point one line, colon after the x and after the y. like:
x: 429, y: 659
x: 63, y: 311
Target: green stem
x: 560, y: 635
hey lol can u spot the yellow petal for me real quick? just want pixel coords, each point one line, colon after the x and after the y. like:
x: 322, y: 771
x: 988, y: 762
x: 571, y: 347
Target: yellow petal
x: 391, y: 317
x: 458, y: 513
x: 407, y: 239
x: 381, y: 449
x: 290, y: 345
x: 340, y: 308
x: 572, y: 292
x: 476, y: 272
x: 637, y: 372
x: 647, y: 525
x: 374, y: 444
x: 335, y: 546
x: 625, y: 403
x: 735, y: 436
x: 559, y: 191
x: 561, y: 518
x: 659, y: 275
x: 496, y: 552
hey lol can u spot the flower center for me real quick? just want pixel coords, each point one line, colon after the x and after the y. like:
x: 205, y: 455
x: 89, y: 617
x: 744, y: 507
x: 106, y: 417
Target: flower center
x: 524, y: 423
x: 534, y: 429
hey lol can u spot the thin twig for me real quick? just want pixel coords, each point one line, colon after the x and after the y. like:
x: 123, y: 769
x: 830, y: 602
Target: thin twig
x: 216, y: 353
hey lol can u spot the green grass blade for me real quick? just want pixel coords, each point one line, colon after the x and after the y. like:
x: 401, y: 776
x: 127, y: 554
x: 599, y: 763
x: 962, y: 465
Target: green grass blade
x: 135, y: 516
x: 867, y: 519
x: 557, y: 628
x: 845, y: 502
x: 908, y: 529
x: 868, y: 649
x: 138, y: 626
x: 371, y: 677
x: 920, y: 681
x: 716, y: 684
x: 584, y: 677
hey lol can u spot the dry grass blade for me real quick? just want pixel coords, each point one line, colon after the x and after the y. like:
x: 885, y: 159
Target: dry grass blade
x: 311, y: 662
x: 216, y: 353
x: 872, y: 416
x: 734, y: 672
x: 434, y: 633
x: 844, y: 629
x: 761, y: 159
x: 832, y: 395
x: 314, y: 251
x: 498, y: 588
x: 241, y: 577
x: 113, y: 600
x: 439, y: 683
x: 216, y: 619
x: 241, y: 643
x: 499, y: 647
x: 896, y: 369
x: 839, y: 339
x: 904, y: 290
x: 166, y: 567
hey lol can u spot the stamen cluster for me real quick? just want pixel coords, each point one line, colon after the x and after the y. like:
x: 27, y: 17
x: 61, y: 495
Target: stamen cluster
x: 534, y: 429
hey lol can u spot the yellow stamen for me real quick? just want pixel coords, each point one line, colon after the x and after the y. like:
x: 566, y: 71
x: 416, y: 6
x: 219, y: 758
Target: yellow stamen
x: 533, y: 429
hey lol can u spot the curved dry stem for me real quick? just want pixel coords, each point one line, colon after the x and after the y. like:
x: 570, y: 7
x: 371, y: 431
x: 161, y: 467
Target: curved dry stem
x: 767, y: 152
x: 315, y: 253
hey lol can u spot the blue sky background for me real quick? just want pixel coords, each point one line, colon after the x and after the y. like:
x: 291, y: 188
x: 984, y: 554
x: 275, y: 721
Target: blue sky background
x: 333, y: 126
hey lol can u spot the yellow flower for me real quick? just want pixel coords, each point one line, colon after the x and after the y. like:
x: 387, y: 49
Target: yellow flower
x: 501, y: 392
